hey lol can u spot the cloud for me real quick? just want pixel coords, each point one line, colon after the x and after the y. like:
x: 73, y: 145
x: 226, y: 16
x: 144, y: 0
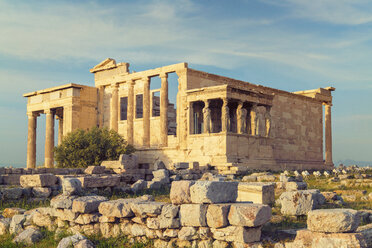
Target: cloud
x: 339, y: 12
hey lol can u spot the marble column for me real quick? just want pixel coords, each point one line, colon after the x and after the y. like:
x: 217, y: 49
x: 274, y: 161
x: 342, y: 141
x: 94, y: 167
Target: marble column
x: 114, y: 107
x: 31, y: 140
x: 206, y: 117
x: 130, y: 112
x: 49, y: 138
x: 328, y: 135
x: 225, y: 115
x: 146, y: 112
x: 164, y: 110
x: 101, y: 91
x: 60, y: 129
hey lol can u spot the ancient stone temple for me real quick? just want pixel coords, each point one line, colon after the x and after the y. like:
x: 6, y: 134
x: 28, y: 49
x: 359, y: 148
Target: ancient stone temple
x: 218, y: 121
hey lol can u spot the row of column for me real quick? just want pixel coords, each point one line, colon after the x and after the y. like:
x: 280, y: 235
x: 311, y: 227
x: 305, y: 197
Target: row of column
x: 49, y: 137
x: 241, y: 114
x: 114, y: 110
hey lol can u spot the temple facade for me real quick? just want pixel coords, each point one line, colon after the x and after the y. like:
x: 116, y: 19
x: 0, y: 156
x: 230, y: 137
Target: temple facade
x: 218, y: 121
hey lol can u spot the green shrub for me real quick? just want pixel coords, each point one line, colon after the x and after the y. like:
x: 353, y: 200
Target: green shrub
x: 84, y: 148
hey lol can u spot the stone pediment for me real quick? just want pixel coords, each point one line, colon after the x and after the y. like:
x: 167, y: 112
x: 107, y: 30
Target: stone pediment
x: 104, y: 65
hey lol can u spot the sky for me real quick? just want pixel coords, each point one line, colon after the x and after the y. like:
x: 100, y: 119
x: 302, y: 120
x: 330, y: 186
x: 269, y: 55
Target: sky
x: 291, y: 45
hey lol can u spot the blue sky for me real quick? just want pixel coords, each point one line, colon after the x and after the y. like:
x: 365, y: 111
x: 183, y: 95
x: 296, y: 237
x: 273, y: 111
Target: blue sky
x: 289, y: 44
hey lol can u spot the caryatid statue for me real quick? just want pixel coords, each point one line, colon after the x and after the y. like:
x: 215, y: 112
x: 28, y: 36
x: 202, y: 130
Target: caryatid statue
x: 268, y: 121
x: 254, y: 120
x: 207, y: 117
x: 241, y: 118
x: 225, y: 116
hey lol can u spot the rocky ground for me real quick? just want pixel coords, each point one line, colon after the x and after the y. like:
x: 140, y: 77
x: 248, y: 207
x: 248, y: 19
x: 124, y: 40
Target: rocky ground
x: 346, y: 188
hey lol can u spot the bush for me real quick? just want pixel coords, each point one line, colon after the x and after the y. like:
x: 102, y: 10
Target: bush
x: 84, y: 148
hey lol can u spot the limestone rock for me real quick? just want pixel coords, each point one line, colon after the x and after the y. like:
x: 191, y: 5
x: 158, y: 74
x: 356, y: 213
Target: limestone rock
x: 99, y: 181
x: 117, y: 208
x: 95, y: 170
x: 333, y: 220
x: 71, y: 186
x: 193, y: 214
x: 12, y: 193
x: 41, y: 192
x: 84, y: 219
x: 139, y: 186
x: 70, y: 241
x: 293, y: 186
x: 262, y: 193
x: 62, y: 201
x: 181, y: 165
x: 180, y: 192
x: 87, y: 204
x: 250, y: 215
x: 158, y: 165
x: 138, y: 230
x: 170, y: 211
x: 4, y: 225
x: 187, y: 233
x: 10, y: 212
x: 28, y: 236
x: 300, y: 202
x: 237, y: 234
x: 39, y: 180
x: 213, y: 192
x: 217, y: 215
x: 85, y: 243
x: 147, y: 209
x: 16, y: 224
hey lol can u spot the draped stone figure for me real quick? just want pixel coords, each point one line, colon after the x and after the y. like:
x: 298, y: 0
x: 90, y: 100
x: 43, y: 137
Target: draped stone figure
x: 254, y: 120
x: 243, y: 124
x: 225, y: 117
x: 207, y: 119
x: 268, y: 121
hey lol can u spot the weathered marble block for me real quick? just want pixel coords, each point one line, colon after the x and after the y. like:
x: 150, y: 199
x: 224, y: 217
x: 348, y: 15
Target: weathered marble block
x: 193, y: 214
x: 87, y: 204
x: 262, y: 193
x: 40, y: 180
x: 237, y: 234
x: 249, y: 215
x: 180, y: 192
x: 333, y: 220
x: 217, y: 215
x: 213, y: 192
x: 99, y: 181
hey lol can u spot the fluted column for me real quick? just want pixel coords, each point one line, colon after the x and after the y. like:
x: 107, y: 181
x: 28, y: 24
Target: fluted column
x: 164, y: 110
x: 49, y: 138
x: 328, y: 135
x: 114, y: 107
x: 130, y: 112
x: 101, y: 92
x: 146, y: 111
x: 60, y: 129
x: 31, y: 140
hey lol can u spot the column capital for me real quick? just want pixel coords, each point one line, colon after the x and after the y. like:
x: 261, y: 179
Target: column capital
x: 163, y: 75
x: 49, y: 111
x: 32, y: 114
x: 115, y: 85
x: 146, y: 79
x: 329, y: 104
x: 131, y: 82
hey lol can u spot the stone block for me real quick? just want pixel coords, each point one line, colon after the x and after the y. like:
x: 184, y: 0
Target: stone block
x: 180, y: 192
x: 217, y: 215
x: 147, y: 209
x: 333, y: 220
x: 62, y: 201
x: 66, y: 214
x: 40, y: 180
x: 95, y: 170
x: 213, y: 192
x: 262, y: 193
x: 99, y: 181
x: 128, y: 161
x: 249, y: 215
x: 71, y: 186
x: 16, y: 224
x: 41, y: 192
x: 306, y: 238
x: 139, y: 186
x: 299, y: 202
x: 29, y: 236
x: 84, y: 219
x: 237, y: 234
x: 121, y: 208
x: 193, y: 214
x: 10, y: 212
x: 294, y: 186
x: 4, y: 225
x: 162, y: 173
x: 12, y: 193
x: 181, y: 165
x: 87, y: 204
x: 187, y: 233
